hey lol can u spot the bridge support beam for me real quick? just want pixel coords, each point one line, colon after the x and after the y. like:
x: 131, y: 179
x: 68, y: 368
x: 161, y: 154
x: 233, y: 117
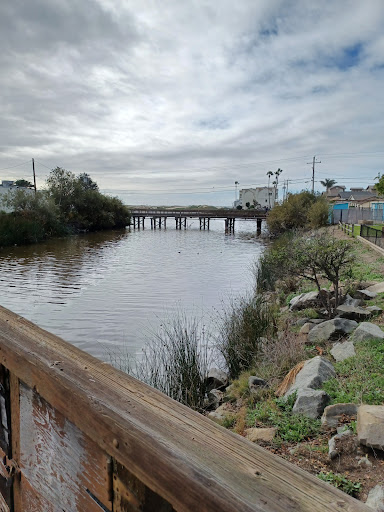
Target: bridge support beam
x: 138, y: 222
x: 258, y: 228
x: 181, y: 222
x: 230, y: 225
x: 158, y: 222
x: 204, y: 222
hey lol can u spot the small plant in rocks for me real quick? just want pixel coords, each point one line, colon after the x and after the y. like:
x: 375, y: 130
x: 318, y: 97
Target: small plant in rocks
x: 341, y: 482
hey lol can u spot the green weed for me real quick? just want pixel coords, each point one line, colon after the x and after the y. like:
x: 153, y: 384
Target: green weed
x: 359, y: 379
x: 341, y: 482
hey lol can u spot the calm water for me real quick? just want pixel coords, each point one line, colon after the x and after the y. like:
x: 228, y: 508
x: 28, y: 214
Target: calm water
x: 109, y: 288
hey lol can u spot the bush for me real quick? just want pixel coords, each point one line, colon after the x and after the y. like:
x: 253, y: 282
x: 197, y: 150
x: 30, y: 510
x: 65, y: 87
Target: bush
x: 243, y: 325
x: 298, y: 211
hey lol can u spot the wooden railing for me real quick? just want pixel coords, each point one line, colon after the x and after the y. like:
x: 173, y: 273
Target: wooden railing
x: 79, y: 435
x: 347, y: 228
x: 214, y: 213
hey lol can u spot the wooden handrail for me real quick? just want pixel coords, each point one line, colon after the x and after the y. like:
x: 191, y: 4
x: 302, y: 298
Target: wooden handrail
x: 155, y: 449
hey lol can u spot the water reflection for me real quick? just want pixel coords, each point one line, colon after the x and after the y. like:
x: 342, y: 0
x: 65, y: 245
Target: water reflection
x: 106, y: 288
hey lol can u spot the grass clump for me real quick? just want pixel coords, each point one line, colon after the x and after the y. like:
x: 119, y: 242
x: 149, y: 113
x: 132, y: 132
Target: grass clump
x: 360, y: 379
x: 341, y: 482
x: 278, y: 413
x: 243, y: 325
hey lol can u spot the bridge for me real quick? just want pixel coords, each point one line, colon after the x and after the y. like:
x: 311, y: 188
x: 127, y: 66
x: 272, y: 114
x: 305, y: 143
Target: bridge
x: 77, y: 435
x: 159, y: 217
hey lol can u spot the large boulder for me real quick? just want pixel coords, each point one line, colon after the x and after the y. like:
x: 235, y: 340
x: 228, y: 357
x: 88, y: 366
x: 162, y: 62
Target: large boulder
x: 313, y: 374
x: 353, y: 312
x: 367, y: 331
x: 376, y: 288
x: 365, y: 294
x: 304, y: 301
x: 370, y: 426
x: 333, y: 413
x: 310, y: 402
x: 349, y: 301
x: 331, y: 329
x: 341, y: 351
x: 375, y: 498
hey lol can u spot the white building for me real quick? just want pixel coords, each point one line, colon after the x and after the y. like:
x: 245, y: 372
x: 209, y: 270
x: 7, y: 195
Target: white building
x: 259, y: 197
x: 7, y: 186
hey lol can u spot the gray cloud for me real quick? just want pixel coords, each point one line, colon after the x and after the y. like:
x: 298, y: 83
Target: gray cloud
x: 150, y: 96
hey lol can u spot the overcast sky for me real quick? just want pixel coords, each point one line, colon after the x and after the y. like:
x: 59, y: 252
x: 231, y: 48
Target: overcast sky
x: 175, y: 100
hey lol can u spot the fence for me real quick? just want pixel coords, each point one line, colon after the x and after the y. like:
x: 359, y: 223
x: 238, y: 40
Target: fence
x: 373, y: 235
x: 355, y: 215
x: 77, y: 435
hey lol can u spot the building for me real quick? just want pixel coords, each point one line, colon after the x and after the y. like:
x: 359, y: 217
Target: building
x: 7, y: 186
x: 259, y: 197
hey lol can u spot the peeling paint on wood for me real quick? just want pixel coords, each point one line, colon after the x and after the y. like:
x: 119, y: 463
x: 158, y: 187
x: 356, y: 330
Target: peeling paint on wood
x: 59, y: 462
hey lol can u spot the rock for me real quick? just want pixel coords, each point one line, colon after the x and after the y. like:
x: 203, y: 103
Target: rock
x: 260, y: 434
x: 284, y: 309
x: 302, y: 321
x: 364, y: 294
x: 306, y: 328
x: 316, y: 321
x: 314, y: 372
x: 375, y: 310
x: 376, y: 288
x: 375, y: 498
x: 304, y: 301
x: 310, y: 402
x: 220, y: 414
x: 370, y: 426
x: 364, y: 461
x: 367, y: 331
x: 349, y: 301
x: 217, y: 379
x: 333, y: 413
x: 330, y: 329
x: 215, y: 397
x: 333, y: 452
x: 353, y: 312
x: 255, y: 383
x: 341, y: 351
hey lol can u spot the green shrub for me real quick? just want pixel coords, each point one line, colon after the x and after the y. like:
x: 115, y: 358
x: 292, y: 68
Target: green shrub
x: 360, y: 379
x: 341, y: 482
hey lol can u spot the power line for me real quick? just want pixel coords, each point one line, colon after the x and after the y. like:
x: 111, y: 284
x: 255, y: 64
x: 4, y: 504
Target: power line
x: 13, y: 166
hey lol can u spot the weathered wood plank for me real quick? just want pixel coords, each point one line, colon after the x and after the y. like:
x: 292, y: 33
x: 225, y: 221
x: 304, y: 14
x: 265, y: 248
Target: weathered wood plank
x: 183, y: 457
x: 63, y: 465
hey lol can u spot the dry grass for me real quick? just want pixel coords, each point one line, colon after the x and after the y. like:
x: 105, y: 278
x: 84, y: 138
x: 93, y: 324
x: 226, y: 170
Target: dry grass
x: 289, y: 379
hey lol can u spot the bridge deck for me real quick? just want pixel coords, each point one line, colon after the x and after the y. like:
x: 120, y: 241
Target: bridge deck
x: 213, y: 214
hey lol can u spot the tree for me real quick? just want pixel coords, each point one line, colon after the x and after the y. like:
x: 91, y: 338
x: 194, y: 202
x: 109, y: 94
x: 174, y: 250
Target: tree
x: 379, y: 186
x: 328, y: 183
x: 314, y: 258
x: 86, y: 182
x: 292, y: 214
x: 23, y: 183
x: 247, y: 204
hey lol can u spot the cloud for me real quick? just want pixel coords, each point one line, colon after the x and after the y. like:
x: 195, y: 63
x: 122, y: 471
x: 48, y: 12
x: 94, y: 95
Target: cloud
x: 182, y: 96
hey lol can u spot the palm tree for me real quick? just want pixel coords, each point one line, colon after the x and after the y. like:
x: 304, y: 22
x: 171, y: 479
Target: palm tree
x: 328, y: 183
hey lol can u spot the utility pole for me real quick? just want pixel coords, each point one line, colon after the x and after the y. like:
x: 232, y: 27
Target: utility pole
x: 314, y: 161
x: 284, y: 189
x: 236, y: 183
x: 34, y: 174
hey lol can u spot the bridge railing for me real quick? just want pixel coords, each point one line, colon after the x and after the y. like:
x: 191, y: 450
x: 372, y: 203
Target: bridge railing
x: 219, y: 213
x: 77, y: 435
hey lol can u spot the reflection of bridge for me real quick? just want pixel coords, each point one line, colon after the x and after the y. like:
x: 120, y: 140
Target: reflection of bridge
x: 159, y: 217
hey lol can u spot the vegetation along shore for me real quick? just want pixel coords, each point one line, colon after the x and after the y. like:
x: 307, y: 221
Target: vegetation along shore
x: 296, y: 366
x: 69, y: 204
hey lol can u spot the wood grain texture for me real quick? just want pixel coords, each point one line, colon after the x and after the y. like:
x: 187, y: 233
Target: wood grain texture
x: 182, y: 456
